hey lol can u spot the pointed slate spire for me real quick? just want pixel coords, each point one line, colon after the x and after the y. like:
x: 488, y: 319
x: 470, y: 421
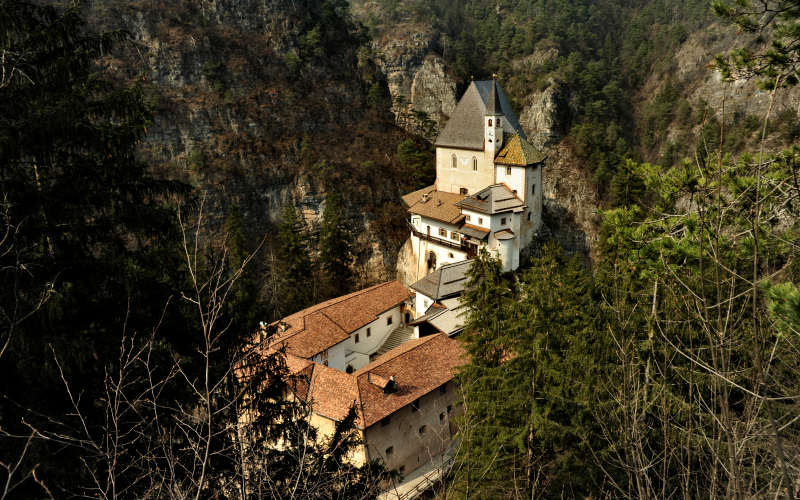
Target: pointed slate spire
x: 494, y: 99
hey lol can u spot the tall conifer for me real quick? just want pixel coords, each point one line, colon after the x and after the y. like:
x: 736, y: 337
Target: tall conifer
x: 335, y: 240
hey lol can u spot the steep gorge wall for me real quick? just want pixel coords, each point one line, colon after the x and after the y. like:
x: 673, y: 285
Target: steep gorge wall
x: 252, y: 114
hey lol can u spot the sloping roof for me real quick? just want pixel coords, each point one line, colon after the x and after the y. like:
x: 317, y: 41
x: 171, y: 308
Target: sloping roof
x: 312, y: 330
x: 413, y: 198
x: 447, y: 318
x: 492, y: 199
x: 504, y: 234
x: 333, y: 392
x: 446, y: 281
x: 464, y: 129
x: 473, y: 231
x: 418, y: 367
x: 518, y: 152
x: 434, y: 204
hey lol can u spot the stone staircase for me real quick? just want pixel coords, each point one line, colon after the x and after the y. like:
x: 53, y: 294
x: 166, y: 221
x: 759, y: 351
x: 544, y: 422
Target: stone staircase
x: 400, y: 335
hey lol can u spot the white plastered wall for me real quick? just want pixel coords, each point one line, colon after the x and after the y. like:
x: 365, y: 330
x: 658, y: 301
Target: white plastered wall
x: 515, y: 181
x: 451, y: 180
x: 358, y: 353
x: 410, y: 448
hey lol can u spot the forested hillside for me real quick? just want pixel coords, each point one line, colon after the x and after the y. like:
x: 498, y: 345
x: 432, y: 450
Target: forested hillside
x: 256, y: 106
x: 174, y: 173
x: 594, y: 83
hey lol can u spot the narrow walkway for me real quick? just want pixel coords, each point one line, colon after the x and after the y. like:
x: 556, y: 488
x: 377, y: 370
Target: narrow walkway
x: 400, y: 335
x: 423, y: 478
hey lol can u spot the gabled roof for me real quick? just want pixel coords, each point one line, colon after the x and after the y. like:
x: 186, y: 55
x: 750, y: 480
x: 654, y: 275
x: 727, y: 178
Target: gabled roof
x: 448, y: 280
x: 438, y: 205
x: 518, y: 152
x: 464, y: 129
x: 492, y: 199
x: 312, y: 330
x: 447, y: 318
x: 473, y: 231
x: 419, y: 366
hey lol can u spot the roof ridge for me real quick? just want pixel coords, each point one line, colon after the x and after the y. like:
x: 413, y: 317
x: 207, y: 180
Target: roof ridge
x: 392, y: 355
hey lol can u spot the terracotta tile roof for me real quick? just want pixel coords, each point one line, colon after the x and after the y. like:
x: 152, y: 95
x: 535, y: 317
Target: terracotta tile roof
x: 437, y: 205
x: 312, y: 330
x: 413, y: 197
x: 518, y: 152
x: 418, y: 366
x: 333, y: 392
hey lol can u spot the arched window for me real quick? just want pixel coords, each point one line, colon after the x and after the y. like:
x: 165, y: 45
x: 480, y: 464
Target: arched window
x: 490, y: 122
x: 498, y: 122
x: 453, y: 161
x: 474, y: 163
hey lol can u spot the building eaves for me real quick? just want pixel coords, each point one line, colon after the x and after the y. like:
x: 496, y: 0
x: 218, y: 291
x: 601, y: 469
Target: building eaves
x: 492, y: 200
x: 465, y: 129
x: 518, y: 152
x: 437, y: 205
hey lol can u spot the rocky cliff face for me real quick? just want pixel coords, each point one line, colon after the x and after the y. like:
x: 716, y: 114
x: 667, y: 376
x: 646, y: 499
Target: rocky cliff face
x: 256, y: 108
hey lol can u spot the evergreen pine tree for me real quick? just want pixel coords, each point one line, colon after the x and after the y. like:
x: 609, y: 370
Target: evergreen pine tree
x: 298, y: 288
x: 335, y: 242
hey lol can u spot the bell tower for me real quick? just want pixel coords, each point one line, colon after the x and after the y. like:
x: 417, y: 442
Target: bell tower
x: 492, y: 123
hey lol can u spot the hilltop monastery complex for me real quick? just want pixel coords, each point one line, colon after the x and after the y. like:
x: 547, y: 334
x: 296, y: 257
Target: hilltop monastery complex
x: 389, y: 350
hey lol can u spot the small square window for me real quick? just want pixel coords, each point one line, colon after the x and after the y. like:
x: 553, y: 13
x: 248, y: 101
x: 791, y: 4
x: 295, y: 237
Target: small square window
x: 508, y: 170
x: 454, y: 235
x: 356, y: 339
x: 468, y: 218
x: 480, y: 220
x: 389, y: 320
x: 389, y: 451
x: 421, y: 430
x: 415, y: 405
x: 503, y: 221
x: 442, y: 232
x: 463, y: 191
x: 369, y: 332
x: 450, y: 254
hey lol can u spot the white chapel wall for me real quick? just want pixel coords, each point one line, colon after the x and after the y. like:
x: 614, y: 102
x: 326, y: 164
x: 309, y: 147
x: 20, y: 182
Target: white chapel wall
x: 451, y: 180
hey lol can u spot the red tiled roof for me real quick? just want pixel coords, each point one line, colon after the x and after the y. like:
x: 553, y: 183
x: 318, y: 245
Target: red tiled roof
x: 418, y: 367
x: 312, y: 330
x: 333, y: 392
x: 438, y: 205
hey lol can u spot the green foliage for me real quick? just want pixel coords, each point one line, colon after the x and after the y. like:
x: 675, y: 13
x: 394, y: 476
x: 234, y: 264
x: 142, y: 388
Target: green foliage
x: 91, y: 245
x: 297, y: 277
x: 774, y: 27
x: 335, y: 246
x: 417, y: 158
x: 528, y: 393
